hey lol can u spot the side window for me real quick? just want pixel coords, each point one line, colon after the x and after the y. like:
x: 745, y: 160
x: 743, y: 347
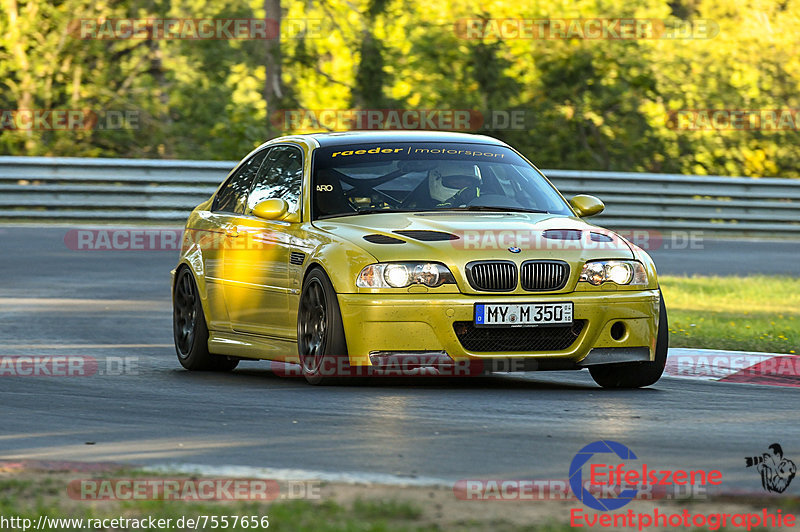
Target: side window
x: 233, y: 195
x: 281, y: 176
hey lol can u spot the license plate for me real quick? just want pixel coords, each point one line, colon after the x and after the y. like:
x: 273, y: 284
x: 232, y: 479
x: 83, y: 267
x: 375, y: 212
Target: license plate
x: 522, y: 314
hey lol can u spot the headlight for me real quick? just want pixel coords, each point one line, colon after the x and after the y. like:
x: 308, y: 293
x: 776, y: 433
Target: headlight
x: 403, y: 274
x: 623, y: 272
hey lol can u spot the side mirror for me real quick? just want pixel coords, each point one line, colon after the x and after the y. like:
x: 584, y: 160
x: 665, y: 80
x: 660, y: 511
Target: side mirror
x: 586, y: 205
x: 271, y: 209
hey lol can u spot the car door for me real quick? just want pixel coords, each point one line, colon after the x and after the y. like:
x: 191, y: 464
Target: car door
x: 214, y: 236
x: 257, y: 266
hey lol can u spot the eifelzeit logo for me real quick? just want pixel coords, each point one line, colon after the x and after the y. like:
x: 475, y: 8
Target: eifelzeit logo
x: 776, y: 471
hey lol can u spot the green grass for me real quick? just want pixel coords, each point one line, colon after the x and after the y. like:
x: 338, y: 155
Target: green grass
x: 372, y: 516
x: 294, y: 516
x: 45, y: 495
x: 371, y: 509
x: 758, y: 313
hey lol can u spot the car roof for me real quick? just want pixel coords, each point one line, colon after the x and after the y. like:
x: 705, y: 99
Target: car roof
x: 358, y: 137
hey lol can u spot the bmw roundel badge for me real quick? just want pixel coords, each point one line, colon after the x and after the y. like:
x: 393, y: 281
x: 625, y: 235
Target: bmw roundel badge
x: 514, y: 249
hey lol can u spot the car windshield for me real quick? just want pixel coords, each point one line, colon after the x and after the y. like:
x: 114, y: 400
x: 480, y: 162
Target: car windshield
x: 419, y: 176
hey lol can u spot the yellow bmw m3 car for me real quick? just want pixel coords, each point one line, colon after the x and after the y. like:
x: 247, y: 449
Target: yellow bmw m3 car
x: 352, y: 254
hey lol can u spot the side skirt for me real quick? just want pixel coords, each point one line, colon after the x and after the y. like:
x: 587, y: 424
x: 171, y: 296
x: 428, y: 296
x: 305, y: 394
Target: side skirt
x: 253, y: 346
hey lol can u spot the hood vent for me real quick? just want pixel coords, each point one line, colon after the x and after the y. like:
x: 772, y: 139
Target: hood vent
x: 562, y: 234
x: 428, y: 236
x: 599, y: 237
x: 383, y: 239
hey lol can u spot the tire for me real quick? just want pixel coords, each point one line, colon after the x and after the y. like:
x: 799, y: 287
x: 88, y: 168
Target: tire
x: 321, y: 343
x: 638, y: 374
x: 189, y: 328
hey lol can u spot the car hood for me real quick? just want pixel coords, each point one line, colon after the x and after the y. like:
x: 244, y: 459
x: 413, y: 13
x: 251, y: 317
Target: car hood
x: 457, y: 238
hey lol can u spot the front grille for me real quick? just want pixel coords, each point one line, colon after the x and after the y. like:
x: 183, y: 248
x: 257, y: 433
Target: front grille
x: 528, y: 339
x: 493, y: 276
x: 540, y: 275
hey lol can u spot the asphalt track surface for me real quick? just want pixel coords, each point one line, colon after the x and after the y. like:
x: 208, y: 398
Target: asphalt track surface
x: 115, y: 306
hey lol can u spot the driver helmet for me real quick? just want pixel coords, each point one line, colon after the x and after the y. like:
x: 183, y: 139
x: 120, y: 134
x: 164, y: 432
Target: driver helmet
x: 449, y: 177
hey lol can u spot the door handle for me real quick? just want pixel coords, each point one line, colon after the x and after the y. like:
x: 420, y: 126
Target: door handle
x: 232, y: 232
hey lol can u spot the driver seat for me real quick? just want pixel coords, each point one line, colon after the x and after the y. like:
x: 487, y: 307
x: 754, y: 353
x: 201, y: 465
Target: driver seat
x: 328, y: 196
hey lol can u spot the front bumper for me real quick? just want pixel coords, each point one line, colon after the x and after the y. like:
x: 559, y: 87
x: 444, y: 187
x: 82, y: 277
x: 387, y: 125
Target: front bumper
x: 425, y: 323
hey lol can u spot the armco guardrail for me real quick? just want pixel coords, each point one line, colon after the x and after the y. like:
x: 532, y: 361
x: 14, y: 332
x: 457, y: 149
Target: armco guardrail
x: 72, y: 189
